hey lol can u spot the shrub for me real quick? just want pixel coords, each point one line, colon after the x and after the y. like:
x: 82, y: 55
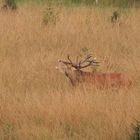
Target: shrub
x: 50, y: 15
x: 136, y: 132
x: 11, y: 4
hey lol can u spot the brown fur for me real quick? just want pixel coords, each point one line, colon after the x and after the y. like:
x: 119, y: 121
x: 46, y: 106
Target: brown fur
x: 101, y: 79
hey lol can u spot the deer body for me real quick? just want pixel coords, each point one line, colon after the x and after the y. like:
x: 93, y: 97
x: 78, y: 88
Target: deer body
x: 99, y: 80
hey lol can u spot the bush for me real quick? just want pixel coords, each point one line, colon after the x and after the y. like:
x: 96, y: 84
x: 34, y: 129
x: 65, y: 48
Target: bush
x: 136, y: 132
x: 50, y: 16
x: 11, y: 4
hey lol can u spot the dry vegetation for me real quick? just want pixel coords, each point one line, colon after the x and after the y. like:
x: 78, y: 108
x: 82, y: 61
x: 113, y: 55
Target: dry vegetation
x: 38, y: 103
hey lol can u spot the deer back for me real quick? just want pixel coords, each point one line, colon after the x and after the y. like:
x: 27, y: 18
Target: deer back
x: 100, y: 79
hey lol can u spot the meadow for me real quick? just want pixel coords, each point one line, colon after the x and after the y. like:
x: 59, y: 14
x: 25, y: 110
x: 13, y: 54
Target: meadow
x: 39, y: 103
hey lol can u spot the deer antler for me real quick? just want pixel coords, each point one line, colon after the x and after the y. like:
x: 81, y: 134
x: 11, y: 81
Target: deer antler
x: 88, y: 62
x: 70, y: 62
x: 81, y: 64
x: 65, y: 62
x: 77, y: 58
x: 68, y: 56
x: 85, y: 60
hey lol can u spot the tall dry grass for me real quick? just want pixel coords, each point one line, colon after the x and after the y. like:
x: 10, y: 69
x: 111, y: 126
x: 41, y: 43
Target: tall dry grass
x: 38, y: 103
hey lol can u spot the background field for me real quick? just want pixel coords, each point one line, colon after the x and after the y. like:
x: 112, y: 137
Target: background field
x: 38, y: 103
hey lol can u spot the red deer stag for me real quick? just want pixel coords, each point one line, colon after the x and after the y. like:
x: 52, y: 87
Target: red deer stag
x: 100, y: 80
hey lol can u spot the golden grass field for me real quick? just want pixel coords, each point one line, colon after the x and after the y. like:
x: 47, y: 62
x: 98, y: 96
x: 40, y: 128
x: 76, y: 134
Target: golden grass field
x: 38, y: 103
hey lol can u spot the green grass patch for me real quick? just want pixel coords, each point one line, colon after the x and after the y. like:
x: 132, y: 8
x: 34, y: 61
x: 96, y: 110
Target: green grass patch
x: 102, y: 3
